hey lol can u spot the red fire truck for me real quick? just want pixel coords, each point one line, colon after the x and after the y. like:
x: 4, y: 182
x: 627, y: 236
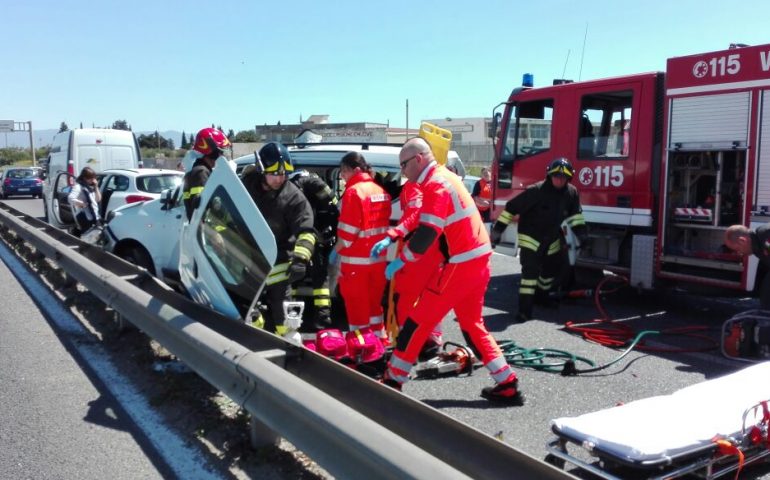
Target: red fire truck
x: 664, y: 162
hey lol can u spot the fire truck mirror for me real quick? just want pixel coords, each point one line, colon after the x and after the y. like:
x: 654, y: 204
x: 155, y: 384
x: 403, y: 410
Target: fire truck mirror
x: 495, y: 126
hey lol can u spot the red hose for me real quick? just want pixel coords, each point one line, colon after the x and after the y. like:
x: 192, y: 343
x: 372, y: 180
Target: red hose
x: 605, y: 331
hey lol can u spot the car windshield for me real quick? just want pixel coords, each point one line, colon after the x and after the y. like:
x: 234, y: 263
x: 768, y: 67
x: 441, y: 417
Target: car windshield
x: 157, y: 183
x: 21, y: 174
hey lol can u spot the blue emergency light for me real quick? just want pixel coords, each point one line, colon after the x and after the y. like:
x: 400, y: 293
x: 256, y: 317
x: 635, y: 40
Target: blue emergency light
x: 528, y: 80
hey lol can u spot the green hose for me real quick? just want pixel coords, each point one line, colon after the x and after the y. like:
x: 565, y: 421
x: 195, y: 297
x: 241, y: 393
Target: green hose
x: 557, y: 361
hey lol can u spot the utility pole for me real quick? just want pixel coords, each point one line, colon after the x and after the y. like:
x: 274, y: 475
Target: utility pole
x: 32, y: 144
x: 406, y: 131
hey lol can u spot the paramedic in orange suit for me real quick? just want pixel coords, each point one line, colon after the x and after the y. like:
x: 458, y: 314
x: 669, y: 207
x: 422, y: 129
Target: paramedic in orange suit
x: 449, y: 218
x: 364, y: 220
x: 411, y: 280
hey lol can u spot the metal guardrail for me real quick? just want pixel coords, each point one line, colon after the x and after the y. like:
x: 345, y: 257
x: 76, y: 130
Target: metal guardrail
x: 348, y: 423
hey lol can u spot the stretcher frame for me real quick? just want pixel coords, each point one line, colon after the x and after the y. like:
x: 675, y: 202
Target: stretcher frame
x: 761, y: 317
x: 603, y: 456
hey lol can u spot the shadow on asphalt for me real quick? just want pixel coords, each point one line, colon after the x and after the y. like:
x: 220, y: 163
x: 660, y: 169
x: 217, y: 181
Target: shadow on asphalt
x: 480, y: 404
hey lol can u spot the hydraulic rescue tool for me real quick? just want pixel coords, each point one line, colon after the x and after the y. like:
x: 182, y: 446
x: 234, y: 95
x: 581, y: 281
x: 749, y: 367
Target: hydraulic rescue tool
x: 454, y: 362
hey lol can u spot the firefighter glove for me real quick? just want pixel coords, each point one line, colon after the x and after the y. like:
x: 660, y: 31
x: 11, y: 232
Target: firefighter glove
x: 393, y: 267
x: 380, y: 247
x: 495, y: 237
x: 297, y: 270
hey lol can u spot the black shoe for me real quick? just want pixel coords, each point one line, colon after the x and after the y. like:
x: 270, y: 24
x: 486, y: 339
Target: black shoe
x: 429, y: 350
x: 522, y: 317
x: 507, y: 392
x: 391, y: 383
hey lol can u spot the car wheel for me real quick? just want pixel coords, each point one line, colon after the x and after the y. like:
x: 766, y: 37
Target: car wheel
x: 139, y: 257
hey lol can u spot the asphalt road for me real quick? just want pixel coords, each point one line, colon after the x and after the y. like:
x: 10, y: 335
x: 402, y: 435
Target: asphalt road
x: 58, y: 420
x: 550, y: 395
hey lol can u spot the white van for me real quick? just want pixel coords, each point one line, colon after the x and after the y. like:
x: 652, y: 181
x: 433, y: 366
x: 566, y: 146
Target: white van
x: 98, y: 148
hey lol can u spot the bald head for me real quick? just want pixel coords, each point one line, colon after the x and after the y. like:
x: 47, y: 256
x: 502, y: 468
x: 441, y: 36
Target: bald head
x: 414, y: 146
x: 414, y: 157
x: 738, y: 238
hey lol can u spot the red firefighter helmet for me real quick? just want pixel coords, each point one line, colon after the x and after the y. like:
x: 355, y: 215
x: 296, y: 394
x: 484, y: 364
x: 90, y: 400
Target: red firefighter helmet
x: 210, y: 140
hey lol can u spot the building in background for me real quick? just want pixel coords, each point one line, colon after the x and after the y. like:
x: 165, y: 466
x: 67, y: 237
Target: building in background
x: 369, y: 132
x: 470, y: 138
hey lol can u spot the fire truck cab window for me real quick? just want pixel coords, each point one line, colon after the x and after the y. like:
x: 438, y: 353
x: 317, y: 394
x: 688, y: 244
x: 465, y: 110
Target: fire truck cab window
x: 604, y: 125
x: 527, y: 131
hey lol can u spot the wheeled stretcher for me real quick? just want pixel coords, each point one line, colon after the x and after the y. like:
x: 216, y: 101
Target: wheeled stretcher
x: 710, y: 428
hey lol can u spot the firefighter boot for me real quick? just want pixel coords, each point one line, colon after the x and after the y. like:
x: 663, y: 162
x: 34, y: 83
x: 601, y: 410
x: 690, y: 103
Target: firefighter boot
x: 521, y: 317
x: 546, y: 299
x: 525, y: 308
x: 507, y: 392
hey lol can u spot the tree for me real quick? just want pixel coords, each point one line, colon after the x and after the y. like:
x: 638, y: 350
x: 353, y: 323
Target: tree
x: 63, y: 127
x: 184, y: 140
x: 81, y: 124
x: 246, y: 136
x: 154, y: 140
x: 230, y: 134
x: 120, y: 125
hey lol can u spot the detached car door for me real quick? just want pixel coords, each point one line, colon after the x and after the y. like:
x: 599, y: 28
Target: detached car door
x: 227, y: 248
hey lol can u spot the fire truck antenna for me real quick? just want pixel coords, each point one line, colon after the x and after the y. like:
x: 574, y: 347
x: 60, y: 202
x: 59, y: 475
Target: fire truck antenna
x: 565, y: 64
x: 582, y: 54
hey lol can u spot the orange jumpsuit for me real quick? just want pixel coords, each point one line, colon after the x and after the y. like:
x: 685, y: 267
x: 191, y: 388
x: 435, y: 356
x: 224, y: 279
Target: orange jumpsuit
x: 450, y: 218
x: 411, y: 280
x: 364, y: 220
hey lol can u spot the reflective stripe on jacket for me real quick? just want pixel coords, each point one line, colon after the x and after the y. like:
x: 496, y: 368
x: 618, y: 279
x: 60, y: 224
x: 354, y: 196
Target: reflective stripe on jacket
x: 411, y: 203
x: 364, y: 218
x: 449, y: 209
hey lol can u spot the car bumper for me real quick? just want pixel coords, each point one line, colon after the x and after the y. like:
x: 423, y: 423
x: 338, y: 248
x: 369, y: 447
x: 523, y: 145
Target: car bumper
x: 9, y: 190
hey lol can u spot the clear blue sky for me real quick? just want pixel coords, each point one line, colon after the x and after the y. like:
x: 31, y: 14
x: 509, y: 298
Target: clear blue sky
x: 172, y: 65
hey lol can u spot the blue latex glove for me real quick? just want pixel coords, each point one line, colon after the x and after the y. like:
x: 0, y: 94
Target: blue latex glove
x: 333, y: 256
x: 393, y: 267
x: 380, y: 247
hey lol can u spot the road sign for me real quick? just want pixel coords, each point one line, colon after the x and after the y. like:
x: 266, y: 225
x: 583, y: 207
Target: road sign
x: 6, y: 125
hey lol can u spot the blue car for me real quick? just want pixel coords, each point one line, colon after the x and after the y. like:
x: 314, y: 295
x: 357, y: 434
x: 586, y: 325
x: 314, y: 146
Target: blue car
x: 21, y: 181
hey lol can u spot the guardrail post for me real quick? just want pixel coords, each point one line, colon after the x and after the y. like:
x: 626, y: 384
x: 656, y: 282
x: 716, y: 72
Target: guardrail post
x: 261, y: 435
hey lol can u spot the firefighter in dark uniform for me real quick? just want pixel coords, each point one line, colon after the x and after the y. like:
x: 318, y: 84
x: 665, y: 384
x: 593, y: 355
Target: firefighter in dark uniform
x: 290, y: 218
x: 541, y: 209
x: 210, y: 144
x: 748, y: 241
x: 323, y: 202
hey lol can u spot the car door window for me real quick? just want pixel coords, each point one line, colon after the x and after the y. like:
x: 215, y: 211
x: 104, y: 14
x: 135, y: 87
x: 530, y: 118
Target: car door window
x: 61, y: 207
x: 227, y: 249
x: 233, y: 252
